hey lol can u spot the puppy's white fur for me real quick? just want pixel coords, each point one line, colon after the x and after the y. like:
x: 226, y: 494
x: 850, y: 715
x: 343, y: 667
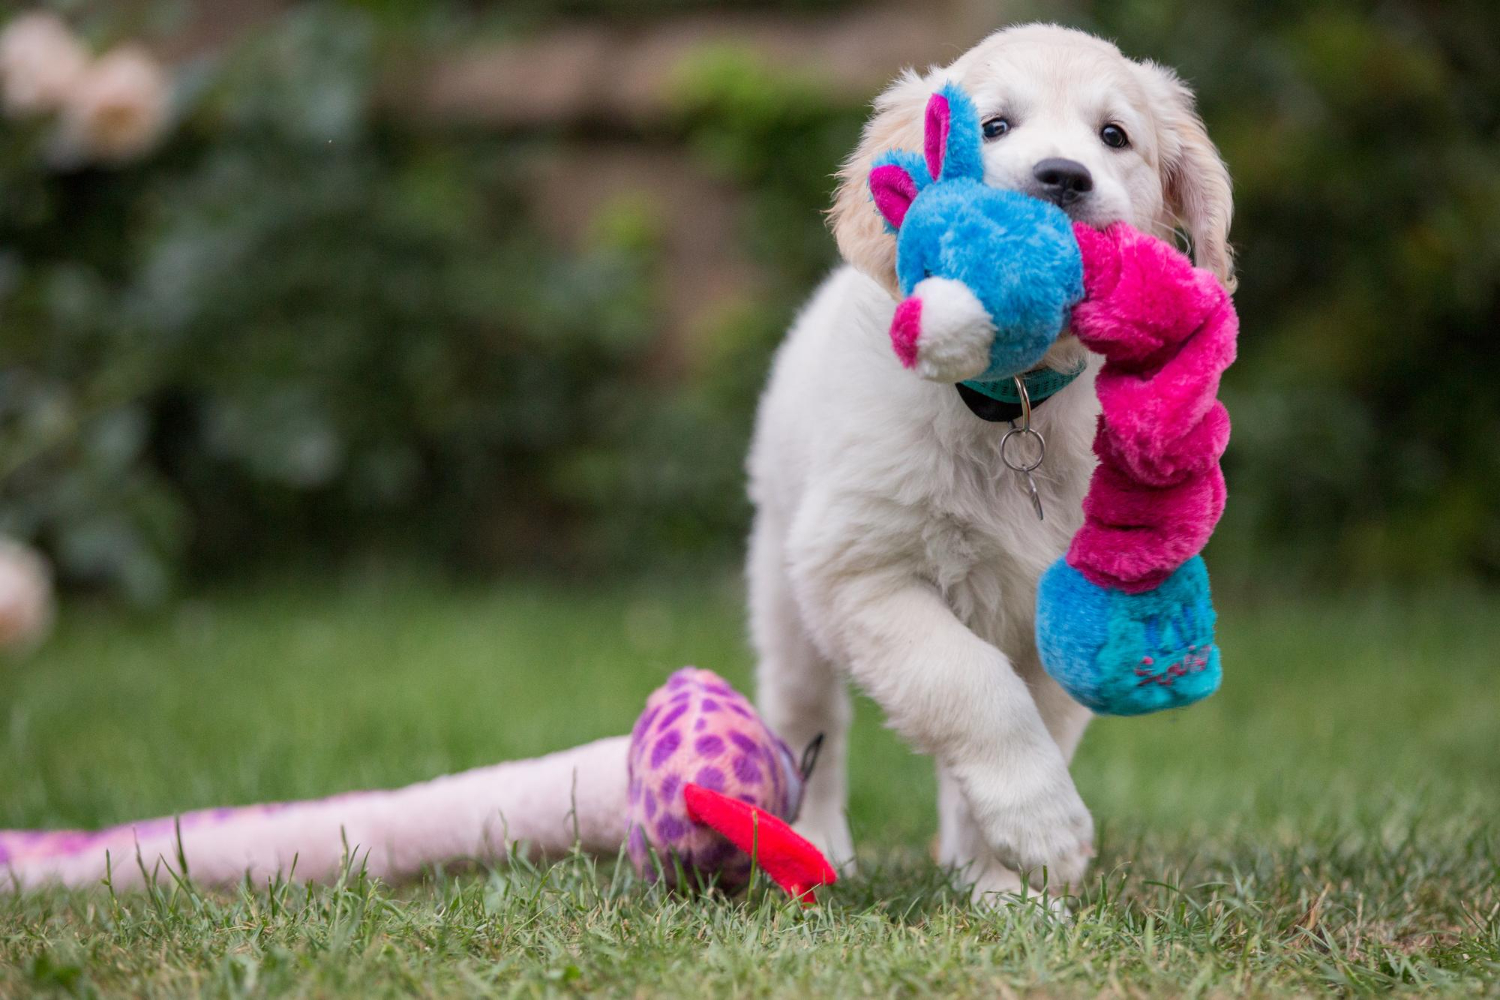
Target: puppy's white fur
x: 890, y: 543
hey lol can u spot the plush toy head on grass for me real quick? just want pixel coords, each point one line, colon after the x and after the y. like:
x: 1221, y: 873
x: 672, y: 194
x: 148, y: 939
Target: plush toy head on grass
x: 989, y: 275
x: 700, y: 760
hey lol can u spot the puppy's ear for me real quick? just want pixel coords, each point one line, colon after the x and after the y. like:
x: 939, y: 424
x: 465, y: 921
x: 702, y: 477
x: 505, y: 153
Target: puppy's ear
x: 1195, y: 181
x: 859, y: 229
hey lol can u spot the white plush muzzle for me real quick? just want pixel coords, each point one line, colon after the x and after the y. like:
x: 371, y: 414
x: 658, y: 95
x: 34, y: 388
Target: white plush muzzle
x: 956, y: 331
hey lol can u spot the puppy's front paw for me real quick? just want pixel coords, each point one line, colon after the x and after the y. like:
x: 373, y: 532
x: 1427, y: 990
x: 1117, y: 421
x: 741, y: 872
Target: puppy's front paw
x: 942, y: 331
x: 997, y: 887
x: 1033, y: 819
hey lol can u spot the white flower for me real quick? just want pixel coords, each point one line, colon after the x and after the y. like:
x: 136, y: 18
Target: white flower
x: 116, y: 111
x: 25, y: 597
x: 40, y: 62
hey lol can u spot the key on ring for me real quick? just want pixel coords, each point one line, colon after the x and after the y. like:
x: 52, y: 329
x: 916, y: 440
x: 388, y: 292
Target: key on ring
x: 1023, y: 465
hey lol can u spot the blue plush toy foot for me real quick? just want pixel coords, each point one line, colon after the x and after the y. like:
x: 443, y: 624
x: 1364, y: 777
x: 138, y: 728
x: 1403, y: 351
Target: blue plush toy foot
x: 1128, y: 654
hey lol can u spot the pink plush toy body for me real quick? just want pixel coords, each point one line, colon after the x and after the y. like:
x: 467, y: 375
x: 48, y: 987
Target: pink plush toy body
x: 698, y: 784
x: 1125, y: 621
x: 481, y: 813
x: 1166, y: 330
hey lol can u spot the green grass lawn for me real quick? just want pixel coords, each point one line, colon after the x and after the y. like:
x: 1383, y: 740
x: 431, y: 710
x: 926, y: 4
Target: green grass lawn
x: 1328, y: 821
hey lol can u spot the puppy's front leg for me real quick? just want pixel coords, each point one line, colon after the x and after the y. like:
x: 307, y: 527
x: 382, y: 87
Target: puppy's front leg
x: 955, y: 696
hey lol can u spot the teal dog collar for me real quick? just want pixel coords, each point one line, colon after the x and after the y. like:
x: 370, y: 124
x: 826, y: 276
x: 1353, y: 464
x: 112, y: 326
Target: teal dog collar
x: 997, y: 400
x: 1040, y: 383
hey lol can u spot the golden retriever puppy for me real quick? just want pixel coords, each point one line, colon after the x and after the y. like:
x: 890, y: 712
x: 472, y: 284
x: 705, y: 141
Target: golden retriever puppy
x: 891, y: 546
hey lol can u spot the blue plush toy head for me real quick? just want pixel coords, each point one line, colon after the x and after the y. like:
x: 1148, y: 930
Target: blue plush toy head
x: 1015, y: 254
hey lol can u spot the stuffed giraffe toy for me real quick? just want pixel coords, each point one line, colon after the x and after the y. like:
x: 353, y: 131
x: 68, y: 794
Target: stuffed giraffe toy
x: 700, y: 792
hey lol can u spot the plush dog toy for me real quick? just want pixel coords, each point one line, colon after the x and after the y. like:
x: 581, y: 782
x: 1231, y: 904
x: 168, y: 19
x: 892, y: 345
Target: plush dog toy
x: 1125, y: 621
x: 699, y: 789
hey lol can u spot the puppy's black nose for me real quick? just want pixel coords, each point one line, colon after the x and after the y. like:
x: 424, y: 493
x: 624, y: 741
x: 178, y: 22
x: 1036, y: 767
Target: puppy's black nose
x: 1062, y: 181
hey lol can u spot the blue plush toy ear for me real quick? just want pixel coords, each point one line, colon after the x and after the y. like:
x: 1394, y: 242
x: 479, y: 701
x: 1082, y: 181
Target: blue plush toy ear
x: 950, y: 144
x: 952, y: 136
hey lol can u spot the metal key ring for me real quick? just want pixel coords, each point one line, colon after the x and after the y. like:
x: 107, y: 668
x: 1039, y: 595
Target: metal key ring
x: 1025, y: 400
x: 1025, y: 428
x: 1041, y: 449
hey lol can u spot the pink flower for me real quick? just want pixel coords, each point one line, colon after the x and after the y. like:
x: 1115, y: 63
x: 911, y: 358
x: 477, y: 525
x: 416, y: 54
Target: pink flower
x: 40, y: 63
x: 25, y: 597
x: 116, y: 111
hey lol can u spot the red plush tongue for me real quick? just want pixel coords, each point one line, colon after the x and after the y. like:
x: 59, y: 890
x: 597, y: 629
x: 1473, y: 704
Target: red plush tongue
x: 790, y: 859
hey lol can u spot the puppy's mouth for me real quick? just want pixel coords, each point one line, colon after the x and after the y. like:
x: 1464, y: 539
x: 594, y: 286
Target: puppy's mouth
x: 1086, y: 211
x: 1080, y: 211
x: 1080, y: 208
x: 1092, y: 217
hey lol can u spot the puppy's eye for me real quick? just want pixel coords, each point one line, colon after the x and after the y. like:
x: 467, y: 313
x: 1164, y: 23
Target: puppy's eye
x: 995, y: 127
x: 1114, y: 136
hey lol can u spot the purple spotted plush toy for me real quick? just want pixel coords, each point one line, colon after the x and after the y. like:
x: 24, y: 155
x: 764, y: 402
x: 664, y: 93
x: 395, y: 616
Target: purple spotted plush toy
x: 698, y: 787
x: 698, y: 731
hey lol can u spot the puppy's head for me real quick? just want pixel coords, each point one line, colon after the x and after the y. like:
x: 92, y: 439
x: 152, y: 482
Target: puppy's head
x: 1067, y: 118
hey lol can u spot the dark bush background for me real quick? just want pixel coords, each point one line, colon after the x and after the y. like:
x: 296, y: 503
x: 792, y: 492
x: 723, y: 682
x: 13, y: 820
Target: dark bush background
x: 323, y: 323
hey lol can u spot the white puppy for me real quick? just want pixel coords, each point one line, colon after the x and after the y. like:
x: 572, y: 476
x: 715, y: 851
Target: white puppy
x: 890, y: 543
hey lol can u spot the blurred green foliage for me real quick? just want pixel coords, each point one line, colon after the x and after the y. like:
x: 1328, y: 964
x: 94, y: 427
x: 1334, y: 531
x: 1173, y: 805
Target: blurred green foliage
x: 311, y: 327
x: 299, y: 327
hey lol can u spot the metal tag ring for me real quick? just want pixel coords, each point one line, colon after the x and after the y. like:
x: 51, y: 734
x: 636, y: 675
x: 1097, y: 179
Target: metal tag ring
x: 1041, y: 449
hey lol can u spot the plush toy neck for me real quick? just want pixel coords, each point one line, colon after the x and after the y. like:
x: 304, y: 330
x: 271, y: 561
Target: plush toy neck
x: 997, y: 400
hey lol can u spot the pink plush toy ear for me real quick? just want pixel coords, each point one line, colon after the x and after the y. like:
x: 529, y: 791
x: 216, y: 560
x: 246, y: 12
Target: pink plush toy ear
x: 894, y: 189
x: 935, y: 138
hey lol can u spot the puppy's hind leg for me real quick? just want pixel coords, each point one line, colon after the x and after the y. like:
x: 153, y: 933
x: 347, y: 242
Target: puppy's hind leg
x: 801, y: 696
